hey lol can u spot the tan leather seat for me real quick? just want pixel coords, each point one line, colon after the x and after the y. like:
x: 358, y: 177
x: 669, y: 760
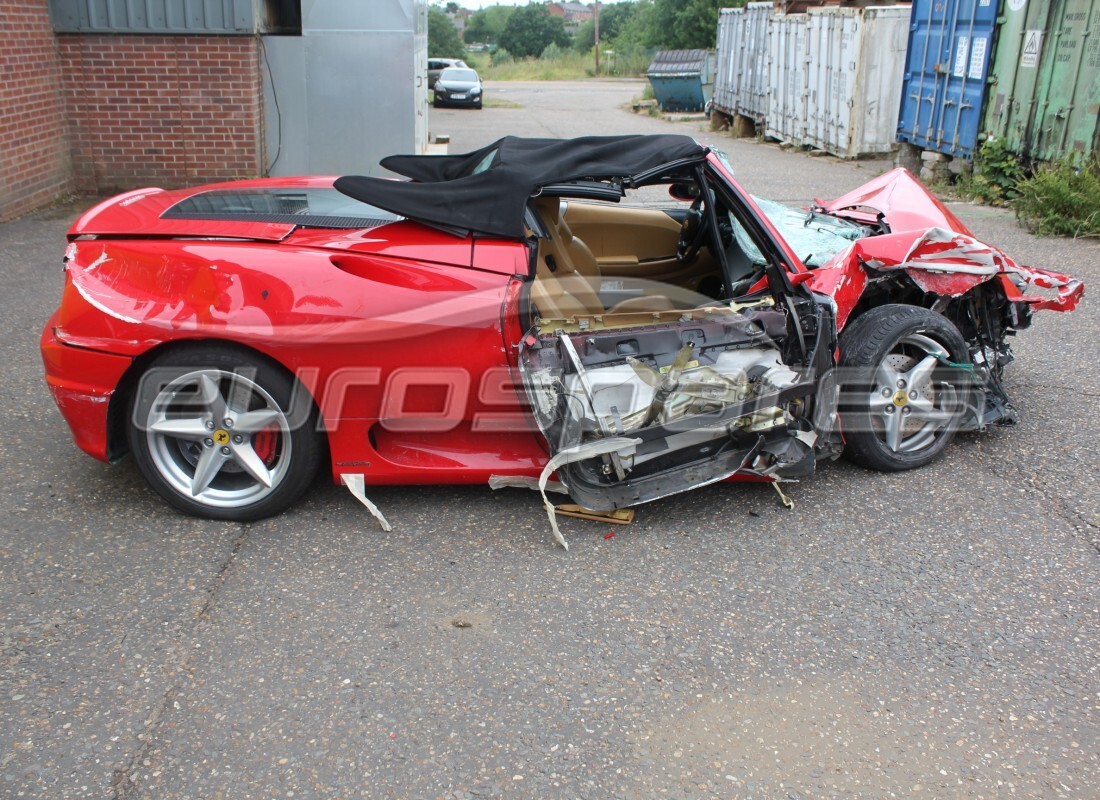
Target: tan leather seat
x: 567, y: 276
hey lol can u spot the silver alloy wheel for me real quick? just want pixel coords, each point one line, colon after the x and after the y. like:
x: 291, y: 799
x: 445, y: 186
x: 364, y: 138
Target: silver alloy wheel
x: 908, y: 409
x: 202, y: 429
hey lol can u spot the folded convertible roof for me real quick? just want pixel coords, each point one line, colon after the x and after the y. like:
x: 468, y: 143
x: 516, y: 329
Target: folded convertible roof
x: 486, y: 191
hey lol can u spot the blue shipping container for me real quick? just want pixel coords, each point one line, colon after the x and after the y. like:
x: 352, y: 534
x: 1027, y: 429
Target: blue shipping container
x: 946, y: 67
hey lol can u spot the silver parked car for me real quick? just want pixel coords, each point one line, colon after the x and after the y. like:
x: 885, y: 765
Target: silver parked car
x: 437, y: 65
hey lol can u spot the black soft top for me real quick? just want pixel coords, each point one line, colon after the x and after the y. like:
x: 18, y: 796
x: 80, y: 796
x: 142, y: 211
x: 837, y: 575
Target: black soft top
x: 486, y: 191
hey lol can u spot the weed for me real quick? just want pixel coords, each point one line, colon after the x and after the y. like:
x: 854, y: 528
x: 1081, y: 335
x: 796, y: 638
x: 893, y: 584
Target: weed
x: 493, y: 102
x: 1062, y: 199
x: 997, y: 171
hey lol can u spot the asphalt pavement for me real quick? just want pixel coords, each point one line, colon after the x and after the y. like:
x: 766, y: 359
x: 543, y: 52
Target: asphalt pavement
x: 928, y: 634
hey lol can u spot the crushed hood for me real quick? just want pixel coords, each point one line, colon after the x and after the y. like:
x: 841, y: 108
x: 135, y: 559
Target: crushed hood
x: 898, y: 198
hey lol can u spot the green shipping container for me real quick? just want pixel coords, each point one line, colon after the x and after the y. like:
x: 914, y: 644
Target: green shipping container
x: 1044, y: 97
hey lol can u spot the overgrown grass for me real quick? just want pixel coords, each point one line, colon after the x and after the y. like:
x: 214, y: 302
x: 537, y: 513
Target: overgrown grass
x: 564, y: 65
x: 568, y: 66
x: 495, y: 102
x: 1062, y: 199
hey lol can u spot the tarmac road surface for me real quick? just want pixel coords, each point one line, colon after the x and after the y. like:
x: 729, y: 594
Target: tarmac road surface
x: 931, y: 634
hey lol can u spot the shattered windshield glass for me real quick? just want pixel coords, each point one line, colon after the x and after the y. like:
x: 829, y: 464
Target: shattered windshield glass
x: 815, y: 238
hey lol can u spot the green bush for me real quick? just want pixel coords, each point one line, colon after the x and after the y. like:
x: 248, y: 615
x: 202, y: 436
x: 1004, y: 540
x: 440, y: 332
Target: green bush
x: 997, y: 171
x: 500, y: 56
x: 552, y: 52
x: 1062, y: 199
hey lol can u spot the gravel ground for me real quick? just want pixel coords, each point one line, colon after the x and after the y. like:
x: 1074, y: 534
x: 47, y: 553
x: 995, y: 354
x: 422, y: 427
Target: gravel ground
x: 931, y: 634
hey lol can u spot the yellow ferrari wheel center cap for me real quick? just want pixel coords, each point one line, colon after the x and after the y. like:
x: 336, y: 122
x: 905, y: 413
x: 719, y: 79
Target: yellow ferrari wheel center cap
x: 221, y: 436
x: 900, y: 398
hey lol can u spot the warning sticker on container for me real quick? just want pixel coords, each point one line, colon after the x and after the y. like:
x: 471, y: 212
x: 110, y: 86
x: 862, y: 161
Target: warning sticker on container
x: 1033, y: 47
x: 977, y: 58
x: 960, y: 56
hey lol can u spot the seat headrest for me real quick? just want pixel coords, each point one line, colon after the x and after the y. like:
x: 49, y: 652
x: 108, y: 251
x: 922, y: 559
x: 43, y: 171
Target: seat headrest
x: 548, y: 209
x: 565, y: 231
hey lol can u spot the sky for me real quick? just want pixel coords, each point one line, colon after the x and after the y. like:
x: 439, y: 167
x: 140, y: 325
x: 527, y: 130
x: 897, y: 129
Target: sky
x: 479, y: 4
x: 475, y: 5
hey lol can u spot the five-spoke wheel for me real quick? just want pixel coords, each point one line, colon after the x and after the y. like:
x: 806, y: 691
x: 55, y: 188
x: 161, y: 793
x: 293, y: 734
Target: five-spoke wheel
x: 215, y: 433
x: 903, y: 395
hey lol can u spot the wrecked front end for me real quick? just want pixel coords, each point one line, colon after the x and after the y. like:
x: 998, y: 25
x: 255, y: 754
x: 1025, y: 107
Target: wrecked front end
x: 636, y: 407
x: 916, y: 252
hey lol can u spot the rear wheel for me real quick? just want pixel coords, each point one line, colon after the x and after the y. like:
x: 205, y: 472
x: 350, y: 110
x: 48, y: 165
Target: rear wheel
x: 219, y: 433
x: 901, y: 399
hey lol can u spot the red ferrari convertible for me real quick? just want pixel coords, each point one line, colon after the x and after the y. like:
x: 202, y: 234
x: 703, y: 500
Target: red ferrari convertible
x: 617, y: 310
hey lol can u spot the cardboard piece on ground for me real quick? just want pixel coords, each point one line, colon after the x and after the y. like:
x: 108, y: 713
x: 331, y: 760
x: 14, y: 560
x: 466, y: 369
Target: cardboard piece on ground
x: 620, y: 516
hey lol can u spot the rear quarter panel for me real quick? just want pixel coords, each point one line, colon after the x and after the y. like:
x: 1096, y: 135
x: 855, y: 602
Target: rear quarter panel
x: 348, y: 324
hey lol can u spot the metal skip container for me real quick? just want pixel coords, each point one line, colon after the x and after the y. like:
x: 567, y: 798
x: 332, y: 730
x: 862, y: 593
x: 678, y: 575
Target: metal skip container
x: 1044, y: 95
x: 741, y: 74
x: 682, y: 80
x: 787, y: 63
x: 854, y: 78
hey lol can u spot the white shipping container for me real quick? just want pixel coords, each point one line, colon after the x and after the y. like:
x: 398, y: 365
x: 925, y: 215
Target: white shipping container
x: 725, y: 73
x: 787, y: 66
x: 854, y: 78
x: 741, y: 80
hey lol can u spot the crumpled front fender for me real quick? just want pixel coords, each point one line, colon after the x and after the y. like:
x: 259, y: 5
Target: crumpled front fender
x: 950, y: 264
x: 931, y: 245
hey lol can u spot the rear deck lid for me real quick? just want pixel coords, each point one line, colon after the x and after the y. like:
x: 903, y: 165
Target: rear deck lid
x: 263, y: 210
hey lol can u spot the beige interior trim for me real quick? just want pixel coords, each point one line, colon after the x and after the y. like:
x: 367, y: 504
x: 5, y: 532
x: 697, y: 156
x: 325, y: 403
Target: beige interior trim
x: 606, y: 262
x: 630, y: 242
x: 568, y: 278
x: 611, y: 230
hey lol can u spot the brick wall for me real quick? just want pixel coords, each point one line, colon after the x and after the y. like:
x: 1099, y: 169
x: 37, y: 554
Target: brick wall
x: 162, y: 110
x: 34, y: 147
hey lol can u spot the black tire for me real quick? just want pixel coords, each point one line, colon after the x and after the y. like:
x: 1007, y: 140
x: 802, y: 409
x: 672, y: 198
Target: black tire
x: 890, y: 422
x: 478, y: 105
x: 259, y: 457
x: 435, y: 104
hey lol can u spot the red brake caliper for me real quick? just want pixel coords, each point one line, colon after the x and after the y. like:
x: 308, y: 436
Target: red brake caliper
x: 264, y: 443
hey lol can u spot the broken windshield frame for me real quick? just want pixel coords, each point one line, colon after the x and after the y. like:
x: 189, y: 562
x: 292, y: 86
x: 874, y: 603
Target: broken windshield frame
x: 775, y: 267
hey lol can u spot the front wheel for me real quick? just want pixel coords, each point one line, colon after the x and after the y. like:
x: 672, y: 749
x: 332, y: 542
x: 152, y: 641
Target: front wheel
x: 222, y: 434
x: 903, y: 391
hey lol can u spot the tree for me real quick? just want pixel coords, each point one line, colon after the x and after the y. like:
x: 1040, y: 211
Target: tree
x: 488, y: 24
x: 531, y: 29
x: 443, y: 41
x: 633, y: 51
x: 612, y: 18
x: 686, y: 24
